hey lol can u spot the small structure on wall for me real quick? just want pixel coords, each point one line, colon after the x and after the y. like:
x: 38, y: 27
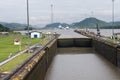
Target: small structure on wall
x: 35, y: 34
x: 117, y: 36
x: 17, y: 41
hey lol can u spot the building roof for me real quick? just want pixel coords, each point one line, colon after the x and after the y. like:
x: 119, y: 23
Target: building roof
x: 16, y: 39
x: 35, y: 31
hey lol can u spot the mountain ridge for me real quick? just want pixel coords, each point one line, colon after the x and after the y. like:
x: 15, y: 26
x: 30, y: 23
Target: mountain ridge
x: 90, y: 22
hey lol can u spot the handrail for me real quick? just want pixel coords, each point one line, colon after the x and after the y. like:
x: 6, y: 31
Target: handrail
x: 94, y: 37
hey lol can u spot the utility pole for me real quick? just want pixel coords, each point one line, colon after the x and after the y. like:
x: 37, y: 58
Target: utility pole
x: 98, y: 29
x: 92, y: 13
x: 28, y: 26
x: 113, y: 18
x: 51, y: 13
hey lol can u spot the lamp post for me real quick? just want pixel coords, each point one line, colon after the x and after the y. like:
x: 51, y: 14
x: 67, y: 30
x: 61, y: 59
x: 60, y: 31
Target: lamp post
x: 51, y: 13
x: 92, y: 13
x: 28, y: 26
x: 113, y: 18
x: 98, y: 29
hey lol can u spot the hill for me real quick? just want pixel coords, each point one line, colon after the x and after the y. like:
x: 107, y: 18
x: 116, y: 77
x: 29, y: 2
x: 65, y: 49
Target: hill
x: 86, y: 23
x: 14, y: 26
x: 3, y: 29
x: 90, y: 23
x: 115, y: 23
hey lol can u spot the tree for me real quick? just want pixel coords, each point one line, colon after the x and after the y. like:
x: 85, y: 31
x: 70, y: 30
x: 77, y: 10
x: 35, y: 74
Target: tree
x: 26, y: 28
x: 3, y: 28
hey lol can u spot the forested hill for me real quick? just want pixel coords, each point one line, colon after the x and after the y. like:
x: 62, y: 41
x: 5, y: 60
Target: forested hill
x: 90, y: 23
x: 87, y: 23
x: 14, y: 26
x: 3, y: 29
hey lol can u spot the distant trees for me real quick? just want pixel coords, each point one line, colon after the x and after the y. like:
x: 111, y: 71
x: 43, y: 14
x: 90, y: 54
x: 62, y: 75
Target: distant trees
x: 26, y: 28
x: 111, y: 27
x: 3, y: 28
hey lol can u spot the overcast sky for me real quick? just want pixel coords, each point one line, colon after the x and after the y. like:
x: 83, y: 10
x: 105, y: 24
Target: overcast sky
x: 67, y: 11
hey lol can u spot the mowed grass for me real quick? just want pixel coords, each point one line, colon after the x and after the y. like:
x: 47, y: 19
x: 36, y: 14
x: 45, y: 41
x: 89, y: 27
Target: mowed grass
x: 10, y: 47
x: 11, y: 65
x: 7, y: 45
x: 112, y: 41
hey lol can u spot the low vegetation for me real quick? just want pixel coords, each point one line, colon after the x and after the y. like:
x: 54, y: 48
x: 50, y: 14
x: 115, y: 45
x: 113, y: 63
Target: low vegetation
x: 7, y: 47
x: 11, y: 65
x: 3, y: 28
x: 113, y: 41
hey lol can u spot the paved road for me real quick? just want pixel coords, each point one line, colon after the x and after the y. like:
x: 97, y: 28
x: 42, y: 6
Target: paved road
x: 70, y: 34
x: 64, y: 33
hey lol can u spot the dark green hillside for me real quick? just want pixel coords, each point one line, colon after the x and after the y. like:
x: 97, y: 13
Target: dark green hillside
x: 90, y: 23
x: 4, y: 29
x: 111, y: 27
x: 14, y: 26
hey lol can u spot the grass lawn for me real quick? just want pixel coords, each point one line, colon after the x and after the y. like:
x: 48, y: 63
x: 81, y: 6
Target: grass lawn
x: 14, y: 63
x: 7, y: 45
x: 112, y: 41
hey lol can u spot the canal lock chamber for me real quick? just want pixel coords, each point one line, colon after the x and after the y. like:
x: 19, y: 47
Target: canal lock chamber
x: 71, y: 59
x: 77, y: 58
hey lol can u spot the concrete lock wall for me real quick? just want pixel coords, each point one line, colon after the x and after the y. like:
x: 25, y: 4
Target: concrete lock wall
x: 40, y: 69
x: 106, y: 50
x: 109, y: 51
x: 74, y: 42
x: 38, y: 72
x: 118, y: 57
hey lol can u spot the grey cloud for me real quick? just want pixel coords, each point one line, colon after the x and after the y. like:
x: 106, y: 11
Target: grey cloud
x: 64, y: 10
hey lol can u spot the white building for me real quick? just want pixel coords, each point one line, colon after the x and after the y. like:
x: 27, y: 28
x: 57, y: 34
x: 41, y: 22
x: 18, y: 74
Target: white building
x: 35, y: 34
x: 60, y: 27
x: 17, y: 41
x: 67, y: 27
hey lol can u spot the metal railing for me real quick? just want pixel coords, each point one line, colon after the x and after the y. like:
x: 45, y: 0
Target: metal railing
x: 20, y: 72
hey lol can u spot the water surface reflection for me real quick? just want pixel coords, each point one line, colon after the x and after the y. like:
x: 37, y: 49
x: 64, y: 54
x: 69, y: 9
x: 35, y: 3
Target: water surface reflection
x: 83, y: 66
